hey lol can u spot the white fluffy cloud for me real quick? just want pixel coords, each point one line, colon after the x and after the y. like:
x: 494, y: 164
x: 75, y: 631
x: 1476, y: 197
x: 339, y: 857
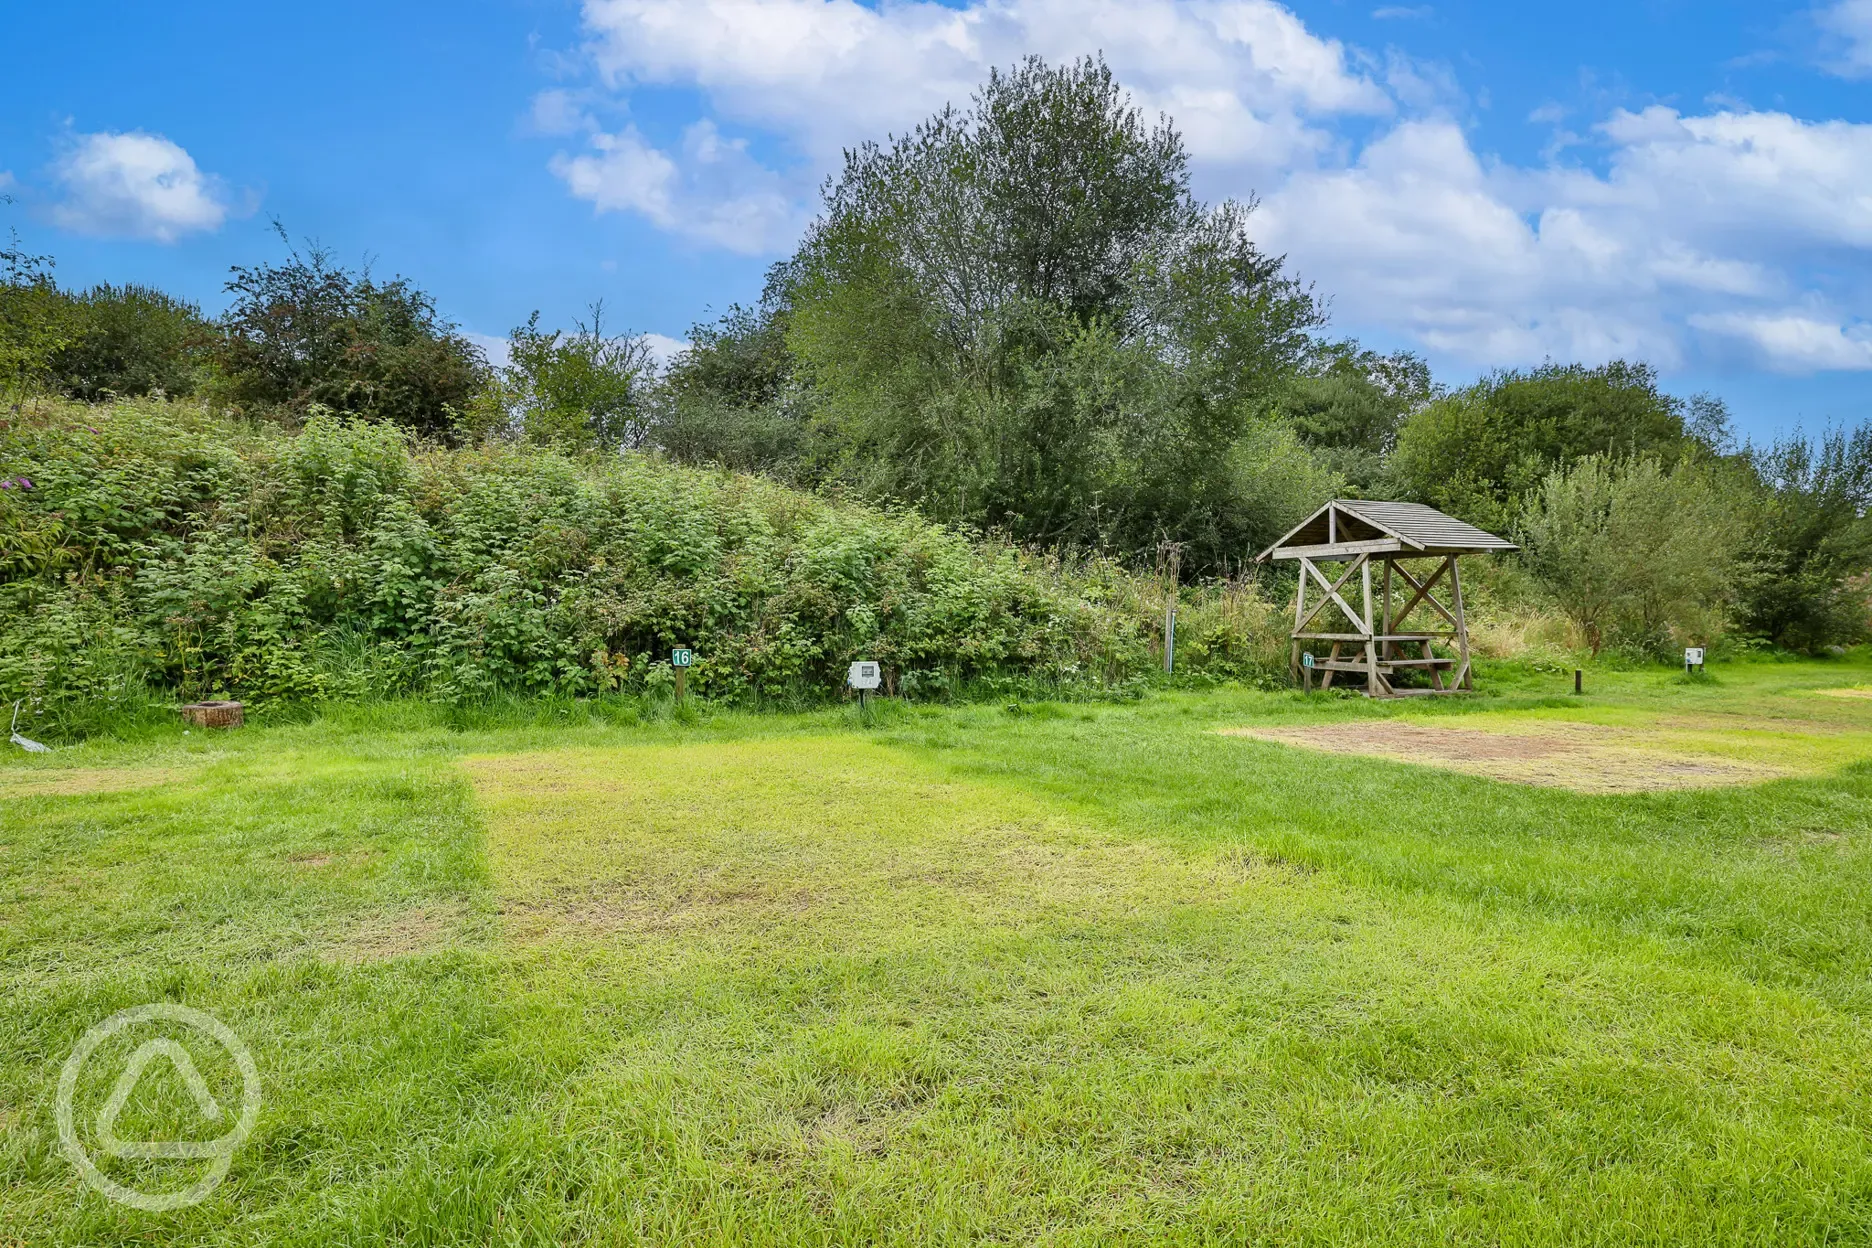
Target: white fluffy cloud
x: 499, y: 351
x: 1237, y: 74
x: 665, y: 348
x: 1240, y: 77
x: 712, y: 190
x: 1682, y: 235
x: 135, y: 185
x: 1796, y: 341
x: 1698, y: 225
x: 1850, y: 23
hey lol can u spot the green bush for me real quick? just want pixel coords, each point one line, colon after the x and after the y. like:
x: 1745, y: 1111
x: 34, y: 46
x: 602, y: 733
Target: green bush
x: 1635, y: 554
x: 309, y: 333
x: 129, y: 341
x: 164, y: 551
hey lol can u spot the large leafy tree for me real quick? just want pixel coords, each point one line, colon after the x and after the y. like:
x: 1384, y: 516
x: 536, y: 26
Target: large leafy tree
x: 1801, y: 585
x: 1018, y: 315
x: 1478, y: 451
x: 1349, y: 404
x: 308, y: 331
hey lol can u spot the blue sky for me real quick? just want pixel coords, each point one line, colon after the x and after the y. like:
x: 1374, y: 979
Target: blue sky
x: 1490, y: 184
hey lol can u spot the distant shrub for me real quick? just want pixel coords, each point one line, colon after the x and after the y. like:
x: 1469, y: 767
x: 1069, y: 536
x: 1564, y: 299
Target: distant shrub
x: 1632, y: 553
x: 307, y: 332
x: 35, y: 317
x: 576, y: 391
x: 129, y: 341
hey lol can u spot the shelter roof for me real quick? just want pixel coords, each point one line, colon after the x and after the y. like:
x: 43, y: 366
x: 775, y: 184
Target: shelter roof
x: 1351, y: 526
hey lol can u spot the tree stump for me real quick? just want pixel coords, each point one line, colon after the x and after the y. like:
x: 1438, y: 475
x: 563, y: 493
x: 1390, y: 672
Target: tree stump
x: 213, y: 714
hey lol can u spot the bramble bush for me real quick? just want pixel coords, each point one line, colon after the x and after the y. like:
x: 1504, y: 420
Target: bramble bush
x: 151, y: 550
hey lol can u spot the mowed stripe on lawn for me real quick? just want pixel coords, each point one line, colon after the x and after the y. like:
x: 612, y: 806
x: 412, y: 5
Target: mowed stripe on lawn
x: 818, y: 987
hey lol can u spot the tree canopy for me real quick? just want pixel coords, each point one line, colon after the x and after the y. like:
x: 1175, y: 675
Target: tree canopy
x: 1476, y: 452
x: 1018, y: 316
x: 308, y: 332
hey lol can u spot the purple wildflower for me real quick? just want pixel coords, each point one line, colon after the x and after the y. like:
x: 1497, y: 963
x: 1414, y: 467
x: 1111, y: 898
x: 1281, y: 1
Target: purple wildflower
x: 27, y: 484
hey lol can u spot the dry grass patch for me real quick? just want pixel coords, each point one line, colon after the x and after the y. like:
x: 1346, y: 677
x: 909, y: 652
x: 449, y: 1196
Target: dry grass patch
x: 401, y: 934
x: 1586, y: 758
x: 83, y: 781
x: 835, y: 834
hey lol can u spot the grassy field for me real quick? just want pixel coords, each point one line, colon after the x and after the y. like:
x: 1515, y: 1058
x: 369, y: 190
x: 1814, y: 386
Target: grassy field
x: 1060, y: 974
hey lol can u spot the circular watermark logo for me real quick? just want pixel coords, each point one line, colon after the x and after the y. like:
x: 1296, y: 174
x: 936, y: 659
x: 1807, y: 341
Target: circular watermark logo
x: 218, y: 1152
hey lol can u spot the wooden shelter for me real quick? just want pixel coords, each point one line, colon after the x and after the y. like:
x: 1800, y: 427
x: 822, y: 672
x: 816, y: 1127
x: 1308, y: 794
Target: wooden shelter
x: 1374, y: 644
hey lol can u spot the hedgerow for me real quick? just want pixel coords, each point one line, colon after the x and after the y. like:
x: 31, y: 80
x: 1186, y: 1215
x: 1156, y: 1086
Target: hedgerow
x: 156, y: 550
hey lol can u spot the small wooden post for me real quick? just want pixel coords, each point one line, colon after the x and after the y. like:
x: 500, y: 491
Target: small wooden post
x: 682, y: 679
x: 1577, y: 689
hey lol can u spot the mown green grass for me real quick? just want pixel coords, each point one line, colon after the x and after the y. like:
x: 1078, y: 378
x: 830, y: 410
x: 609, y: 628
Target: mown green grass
x: 1076, y: 974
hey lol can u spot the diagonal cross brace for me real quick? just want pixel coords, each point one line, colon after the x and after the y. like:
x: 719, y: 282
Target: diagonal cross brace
x: 1332, y: 592
x: 1423, y: 594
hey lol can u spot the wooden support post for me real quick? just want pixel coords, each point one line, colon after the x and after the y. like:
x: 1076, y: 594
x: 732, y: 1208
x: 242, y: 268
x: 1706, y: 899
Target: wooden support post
x: 1174, y: 580
x: 1463, y: 680
x: 1387, y: 605
x: 1371, y: 644
x: 1293, y: 657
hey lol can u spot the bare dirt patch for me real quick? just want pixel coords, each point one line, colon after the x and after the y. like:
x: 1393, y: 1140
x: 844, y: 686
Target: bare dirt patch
x: 82, y: 781
x: 1586, y: 758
